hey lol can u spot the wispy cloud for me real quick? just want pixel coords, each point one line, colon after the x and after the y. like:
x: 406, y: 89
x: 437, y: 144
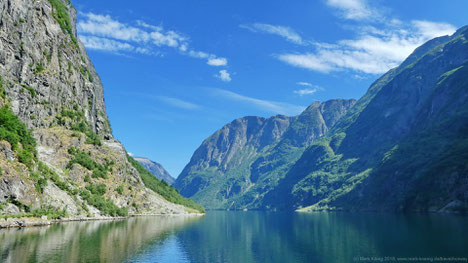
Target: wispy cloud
x: 283, y: 31
x: 224, y: 75
x: 106, y: 44
x: 179, y: 103
x: 354, y: 9
x: 311, y: 89
x: 371, y: 52
x: 303, y: 92
x: 303, y: 83
x: 380, y: 42
x: 102, y: 32
x: 265, y: 105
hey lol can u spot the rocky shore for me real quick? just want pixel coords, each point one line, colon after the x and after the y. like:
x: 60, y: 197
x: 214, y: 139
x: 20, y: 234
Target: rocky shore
x: 44, y: 221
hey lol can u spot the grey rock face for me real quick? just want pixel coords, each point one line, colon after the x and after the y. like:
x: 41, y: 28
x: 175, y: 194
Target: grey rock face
x: 257, y: 132
x: 42, y: 70
x: 156, y: 169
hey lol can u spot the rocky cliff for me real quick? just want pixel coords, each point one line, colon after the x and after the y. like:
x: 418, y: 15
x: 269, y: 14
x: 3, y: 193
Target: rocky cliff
x: 156, y: 169
x: 57, y: 152
x: 242, y: 161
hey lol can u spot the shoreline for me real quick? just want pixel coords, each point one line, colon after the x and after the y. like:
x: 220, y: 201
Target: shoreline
x: 21, y: 222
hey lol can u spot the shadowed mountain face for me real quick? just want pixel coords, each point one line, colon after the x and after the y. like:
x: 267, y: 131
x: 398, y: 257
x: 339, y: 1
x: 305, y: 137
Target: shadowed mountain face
x: 156, y: 169
x: 402, y: 147
x: 246, y: 156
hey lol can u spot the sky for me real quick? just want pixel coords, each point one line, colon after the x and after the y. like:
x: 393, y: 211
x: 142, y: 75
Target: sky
x: 176, y: 71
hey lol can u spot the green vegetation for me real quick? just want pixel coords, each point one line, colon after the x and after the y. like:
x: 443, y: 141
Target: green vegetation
x: 51, y: 213
x: 106, y: 206
x: 48, y: 55
x: 97, y: 189
x: 21, y: 48
x: 39, y: 68
x: 69, y: 70
x: 2, y: 90
x: 16, y: 133
x: 93, y: 138
x: 119, y: 189
x: 87, y: 179
x: 162, y: 188
x: 99, y: 173
x: 78, y: 123
x: 48, y: 173
x: 40, y: 182
x: 82, y: 158
x: 32, y: 91
x: 60, y: 14
x: 86, y: 73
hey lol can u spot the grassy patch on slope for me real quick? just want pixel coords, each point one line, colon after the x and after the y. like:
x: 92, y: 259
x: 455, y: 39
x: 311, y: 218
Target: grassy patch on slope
x: 60, y: 14
x: 16, y: 133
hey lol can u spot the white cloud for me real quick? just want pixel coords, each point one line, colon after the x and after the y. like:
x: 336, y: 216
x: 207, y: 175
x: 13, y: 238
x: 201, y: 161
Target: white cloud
x: 303, y: 92
x: 308, y: 61
x: 144, y: 24
x: 354, y: 9
x: 311, y: 89
x: 430, y: 29
x: 198, y: 54
x: 302, y: 83
x: 224, y: 75
x: 217, y: 62
x: 129, y: 153
x: 179, y: 103
x: 265, y: 105
x: 373, y: 51
x: 105, y: 44
x: 102, y: 32
x: 105, y: 26
x: 380, y: 42
x: 286, y: 32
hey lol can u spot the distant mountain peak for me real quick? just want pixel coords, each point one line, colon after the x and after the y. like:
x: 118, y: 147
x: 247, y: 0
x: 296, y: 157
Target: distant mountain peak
x: 156, y: 168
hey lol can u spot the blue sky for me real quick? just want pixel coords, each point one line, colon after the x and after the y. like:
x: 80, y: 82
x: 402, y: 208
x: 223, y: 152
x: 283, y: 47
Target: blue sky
x: 176, y: 71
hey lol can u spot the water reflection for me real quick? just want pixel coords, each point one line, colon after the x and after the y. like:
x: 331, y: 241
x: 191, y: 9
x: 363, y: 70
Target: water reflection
x: 322, y: 237
x: 222, y: 236
x: 95, y: 241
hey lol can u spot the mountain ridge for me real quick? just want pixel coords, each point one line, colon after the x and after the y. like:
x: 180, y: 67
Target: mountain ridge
x: 256, y: 141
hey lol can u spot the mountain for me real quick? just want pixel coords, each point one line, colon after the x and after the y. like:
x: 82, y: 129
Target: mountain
x: 156, y: 169
x: 57, y: 153
x: 402, y: 147
x: 244, y: 160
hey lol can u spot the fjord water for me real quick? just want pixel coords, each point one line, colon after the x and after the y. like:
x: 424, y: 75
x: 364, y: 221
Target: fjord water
x: 223, y: 236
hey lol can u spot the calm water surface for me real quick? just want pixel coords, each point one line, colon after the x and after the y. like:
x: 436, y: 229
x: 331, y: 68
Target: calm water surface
x: 245, y: 237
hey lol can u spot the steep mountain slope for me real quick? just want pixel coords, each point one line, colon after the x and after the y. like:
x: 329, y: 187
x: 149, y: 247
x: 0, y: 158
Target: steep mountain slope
x: 402, y: 147
x: 156, y: 169
x: 245, y: 159
x: 57, y: 154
